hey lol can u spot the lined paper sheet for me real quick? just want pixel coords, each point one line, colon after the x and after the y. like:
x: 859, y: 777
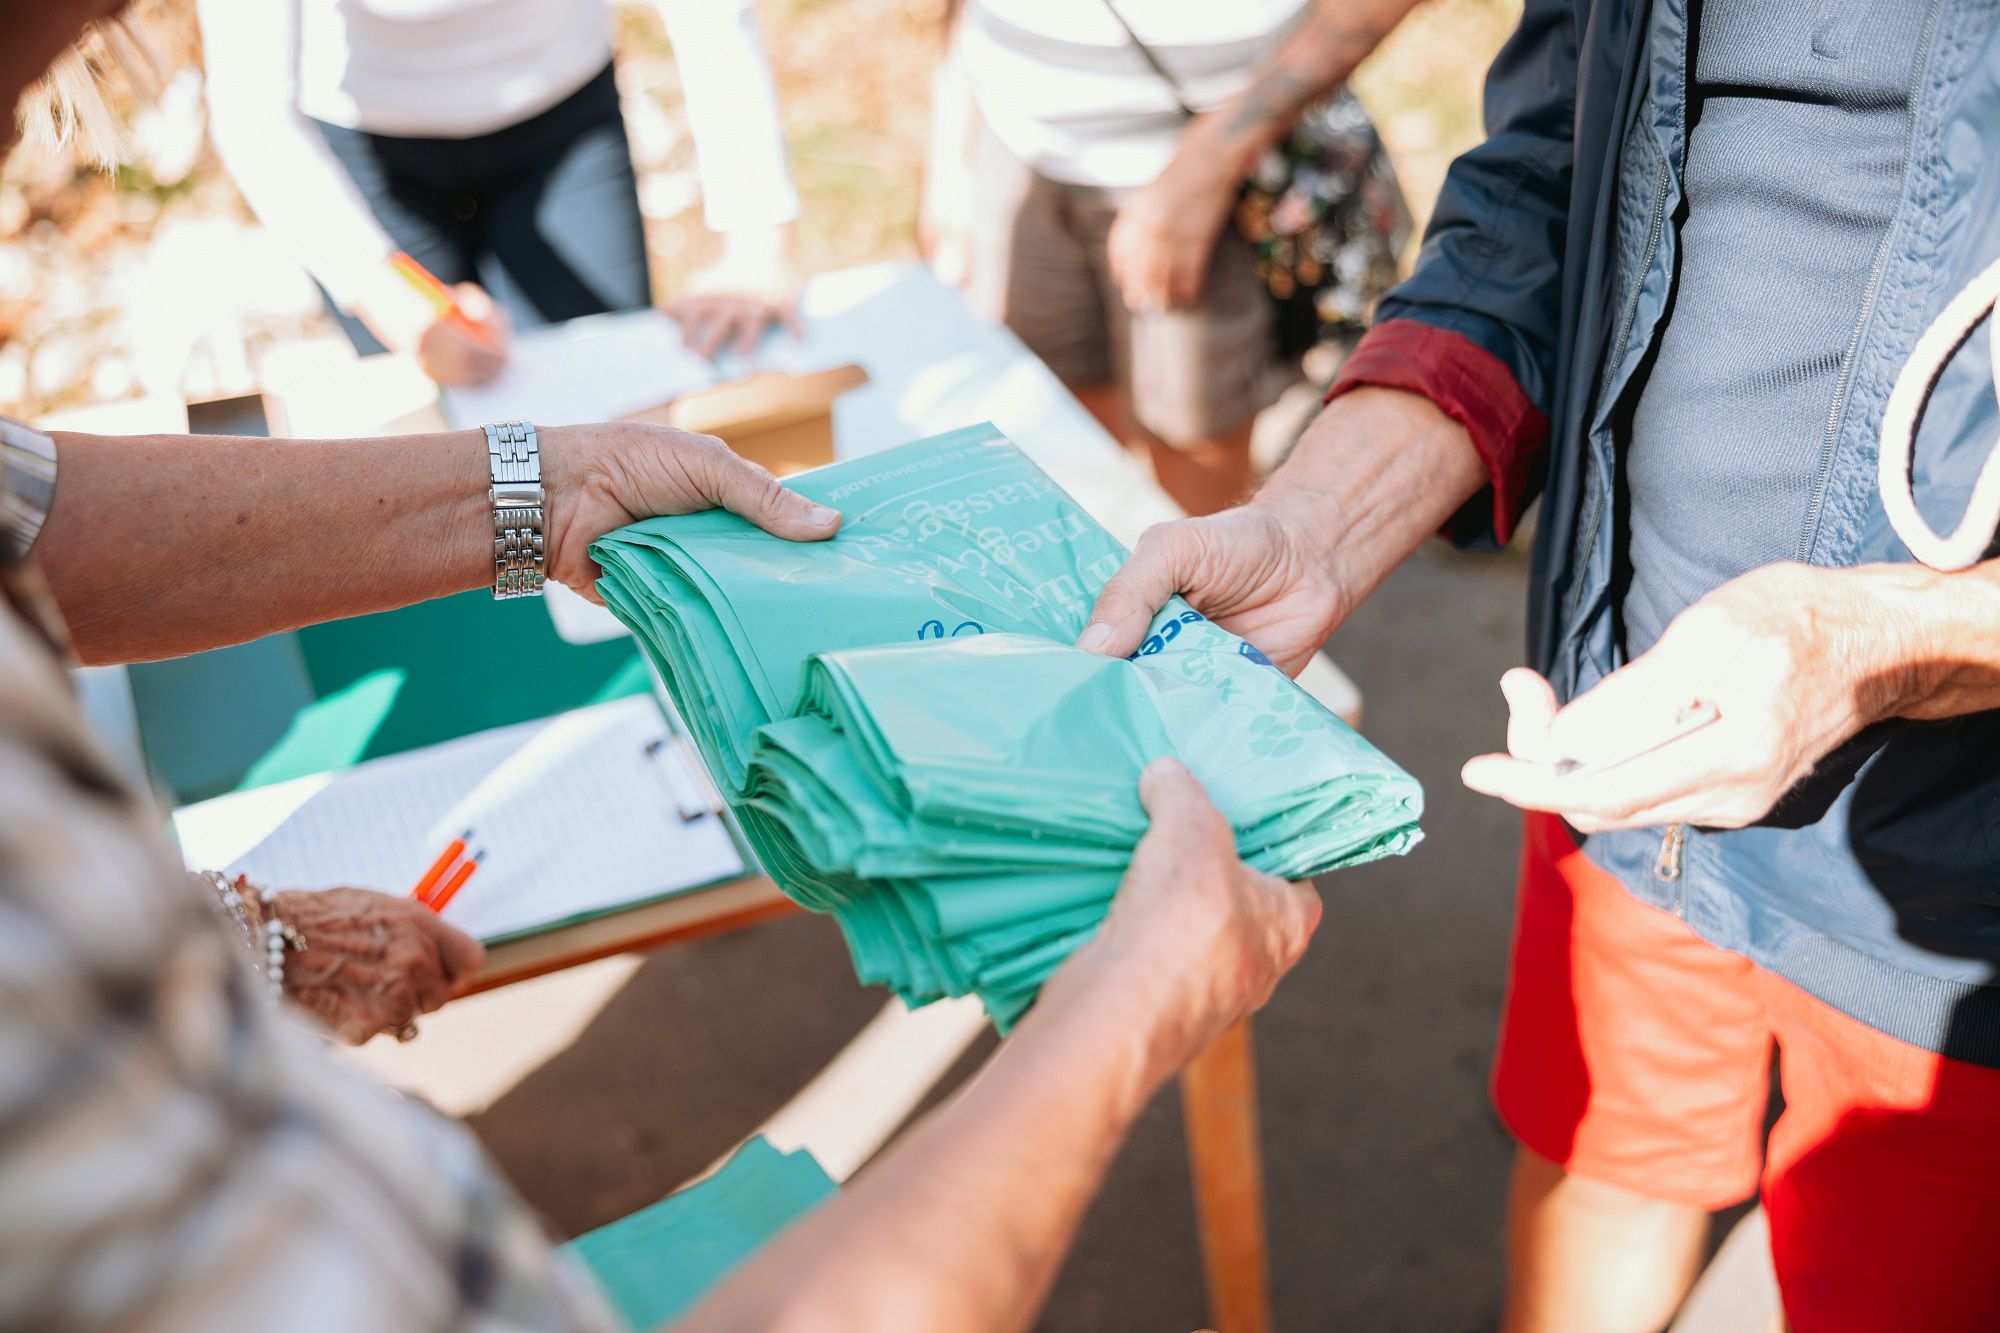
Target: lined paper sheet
x: 592, y: 369
x: 578, y: 814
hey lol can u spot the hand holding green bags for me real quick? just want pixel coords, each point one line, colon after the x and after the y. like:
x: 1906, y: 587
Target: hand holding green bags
x: 911, y: 743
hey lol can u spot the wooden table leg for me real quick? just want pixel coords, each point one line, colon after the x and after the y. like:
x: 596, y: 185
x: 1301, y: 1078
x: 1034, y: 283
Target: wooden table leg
x: 1219, y: 1106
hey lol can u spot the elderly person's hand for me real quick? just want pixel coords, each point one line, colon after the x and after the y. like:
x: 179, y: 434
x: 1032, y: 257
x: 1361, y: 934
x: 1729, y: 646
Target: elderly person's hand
x: 604, y: 476
x: 372, y: 961
x: 1794, y: 658
x: 1374, y: 475
x: 1249, y: 569
x: 1195, y: 939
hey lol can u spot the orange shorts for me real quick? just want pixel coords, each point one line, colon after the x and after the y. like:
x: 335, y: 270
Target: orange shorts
x: 1635, y: 1052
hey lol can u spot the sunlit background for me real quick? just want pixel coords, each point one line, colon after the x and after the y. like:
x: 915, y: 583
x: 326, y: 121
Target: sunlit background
x: 157, y: 279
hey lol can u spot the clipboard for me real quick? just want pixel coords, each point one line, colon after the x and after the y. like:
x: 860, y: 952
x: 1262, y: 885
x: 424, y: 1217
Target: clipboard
x: 570, y: 813
x: 316, y: 702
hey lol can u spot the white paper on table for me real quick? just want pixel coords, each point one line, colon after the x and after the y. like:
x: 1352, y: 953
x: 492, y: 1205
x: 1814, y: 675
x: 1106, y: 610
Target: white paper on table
x: 577, y: 814
x: 578, y: 619
x: 592, y: 369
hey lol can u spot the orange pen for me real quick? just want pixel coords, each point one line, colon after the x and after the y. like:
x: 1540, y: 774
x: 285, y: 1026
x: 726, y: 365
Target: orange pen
x: 422, y: 892
x: 434, y: 291
x: 456, y: 882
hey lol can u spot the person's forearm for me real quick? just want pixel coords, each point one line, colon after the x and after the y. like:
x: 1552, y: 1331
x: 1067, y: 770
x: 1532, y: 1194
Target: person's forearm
x: 1934, y: 638
x: 1379, y: 471
x: 219, y: 540
x: 959, y: 1227
x: 1313, y: 60
x: 164, y: 545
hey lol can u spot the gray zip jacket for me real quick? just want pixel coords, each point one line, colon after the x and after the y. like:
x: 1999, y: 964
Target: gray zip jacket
x: 1875, y: 885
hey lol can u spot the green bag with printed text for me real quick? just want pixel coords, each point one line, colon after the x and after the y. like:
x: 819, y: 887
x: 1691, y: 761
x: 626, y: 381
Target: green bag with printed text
x: 911, y: 744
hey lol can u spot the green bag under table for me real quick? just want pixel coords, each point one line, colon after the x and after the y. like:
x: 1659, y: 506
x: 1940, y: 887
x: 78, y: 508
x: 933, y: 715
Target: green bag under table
x: 656, y: 1263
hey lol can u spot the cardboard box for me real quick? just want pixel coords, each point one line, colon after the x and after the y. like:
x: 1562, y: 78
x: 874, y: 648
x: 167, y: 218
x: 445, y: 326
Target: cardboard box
x: 782, y: 421
x: 260, y: 415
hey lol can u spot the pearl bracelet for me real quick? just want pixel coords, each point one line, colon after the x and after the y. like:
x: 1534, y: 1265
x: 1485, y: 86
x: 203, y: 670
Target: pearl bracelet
x: 275, y: 935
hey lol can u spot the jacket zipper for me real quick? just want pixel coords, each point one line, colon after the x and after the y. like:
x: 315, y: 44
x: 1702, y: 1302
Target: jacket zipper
x: 1595, y: 511
x: 1809, y: 535
x: 1667, y: 865
x: 1593, y: 517
x: 1654, y: 226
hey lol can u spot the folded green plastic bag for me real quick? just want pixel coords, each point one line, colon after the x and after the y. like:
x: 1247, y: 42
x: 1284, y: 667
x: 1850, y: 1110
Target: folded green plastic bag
x: 656, y: 1263
x: 911, y: 743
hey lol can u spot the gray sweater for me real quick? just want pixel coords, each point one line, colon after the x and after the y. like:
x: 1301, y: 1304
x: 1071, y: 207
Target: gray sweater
x: 1797, y: 126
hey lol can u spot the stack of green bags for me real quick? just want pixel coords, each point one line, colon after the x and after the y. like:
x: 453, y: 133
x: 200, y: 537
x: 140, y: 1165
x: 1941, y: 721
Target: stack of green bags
x: 911, y: 744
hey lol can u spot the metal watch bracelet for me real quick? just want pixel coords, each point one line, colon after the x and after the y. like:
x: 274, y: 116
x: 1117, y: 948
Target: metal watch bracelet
x: 520, y: 555
x: 27, y: 484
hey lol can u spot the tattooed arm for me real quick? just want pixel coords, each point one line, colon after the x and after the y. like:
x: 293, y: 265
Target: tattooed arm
x: 1335, y: 36
x: 1161, y: 242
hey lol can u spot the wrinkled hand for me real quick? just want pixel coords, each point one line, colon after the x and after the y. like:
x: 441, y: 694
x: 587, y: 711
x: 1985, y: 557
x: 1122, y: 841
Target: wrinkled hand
x: 711, y: 321
x: 1164, y: 235
x: 1195, y: 937
x: 1788, y: 654
x: 1244, y: 568
x: 372, y: 962
x: 604, y: 476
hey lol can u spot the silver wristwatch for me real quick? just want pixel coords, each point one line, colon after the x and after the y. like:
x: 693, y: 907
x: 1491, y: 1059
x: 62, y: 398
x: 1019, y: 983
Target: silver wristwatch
x: 519, y: 553
x: 27, y: 484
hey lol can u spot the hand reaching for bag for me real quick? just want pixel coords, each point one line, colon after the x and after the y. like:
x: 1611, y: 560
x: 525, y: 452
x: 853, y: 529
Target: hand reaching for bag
x: 1195, y: 940
x: 1246, y: 568
x: 1372, y: 477
x: 372, y: 962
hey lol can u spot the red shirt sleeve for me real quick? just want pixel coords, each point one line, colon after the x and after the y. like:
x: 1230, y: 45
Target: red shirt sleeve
x: 1474, y: 388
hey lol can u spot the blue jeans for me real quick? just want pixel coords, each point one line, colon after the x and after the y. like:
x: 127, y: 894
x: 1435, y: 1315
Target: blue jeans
x: 544, y: 214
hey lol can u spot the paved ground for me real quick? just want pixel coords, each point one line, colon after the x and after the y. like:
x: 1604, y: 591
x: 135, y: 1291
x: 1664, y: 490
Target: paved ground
x: 1385, y: 1166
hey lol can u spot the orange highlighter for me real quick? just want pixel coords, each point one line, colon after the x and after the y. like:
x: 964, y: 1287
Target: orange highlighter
x: 447, y: 874
x: 456, y: 882
x: 427, y: 286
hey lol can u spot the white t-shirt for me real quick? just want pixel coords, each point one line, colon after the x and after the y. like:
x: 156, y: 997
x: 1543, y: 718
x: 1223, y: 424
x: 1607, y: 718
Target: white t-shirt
x: 456, y: 69
x: 1063, y: 87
